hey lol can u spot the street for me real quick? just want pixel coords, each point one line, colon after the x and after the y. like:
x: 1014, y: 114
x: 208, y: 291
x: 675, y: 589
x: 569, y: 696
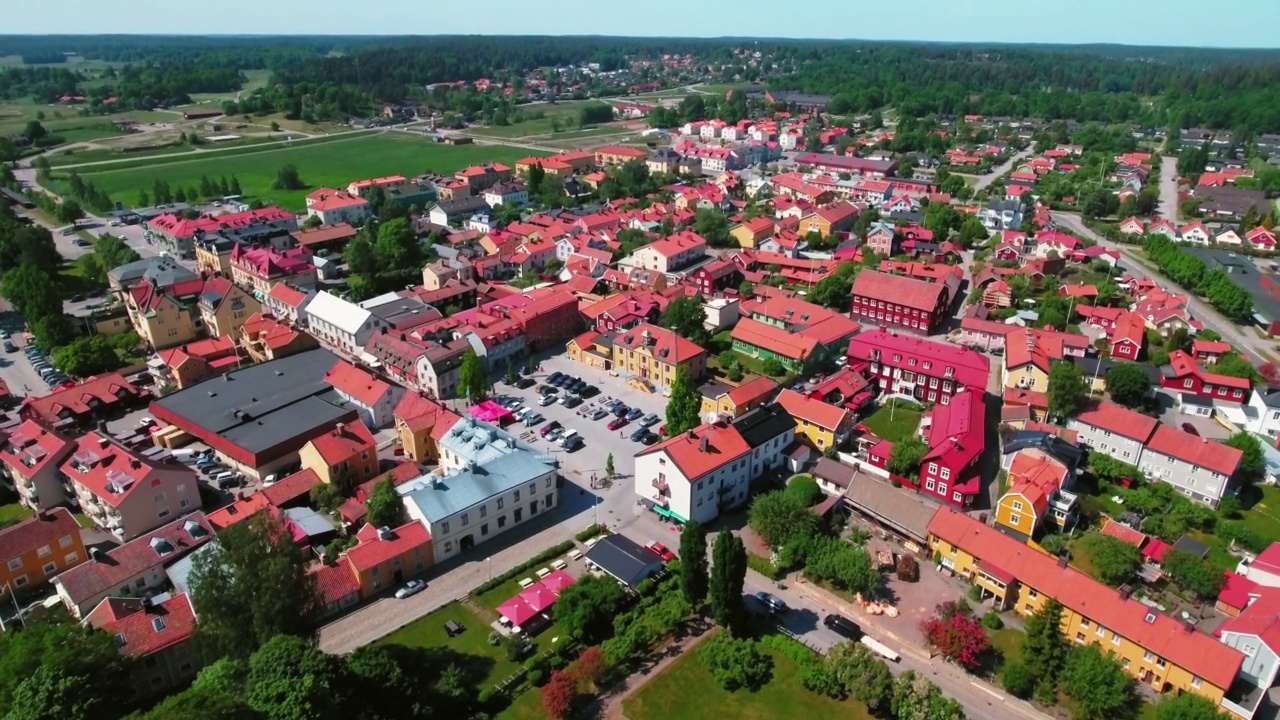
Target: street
x: 1169, y: 188
x: 1239, y: 337
x: 1000, y: 169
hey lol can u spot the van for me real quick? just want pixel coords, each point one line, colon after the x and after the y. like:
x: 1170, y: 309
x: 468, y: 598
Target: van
x: 186, y: 456
x: 225, y: 478
x: 564, y: 439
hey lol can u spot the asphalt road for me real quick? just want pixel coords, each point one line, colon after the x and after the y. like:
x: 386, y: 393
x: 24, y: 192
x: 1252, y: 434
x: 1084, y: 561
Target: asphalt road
x: 999, y: 170
x: 1169, y: 188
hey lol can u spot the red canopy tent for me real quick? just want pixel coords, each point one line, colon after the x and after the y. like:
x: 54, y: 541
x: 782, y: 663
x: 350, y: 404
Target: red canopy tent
x: 516, y: 611
x: 538, y: 596
x: 558, y: 581
x: 490, y: 412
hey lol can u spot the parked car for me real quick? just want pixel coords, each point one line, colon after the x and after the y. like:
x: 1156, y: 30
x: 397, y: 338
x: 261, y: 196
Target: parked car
x: 571, y: 401
x: 649, y: 420
x: 634, y: 414
x: 558, y: 382
x: 600, y: 414
x: 772, y: 603
x: 842, y: 626
x: 9, y: 346
x: 412, y: 587
x: 617, y: 422
x: 550, y: 427
x: 612, y: 404
x: 554, y: 435
x: 649, y: 439
x: 1189, y: 428
x: 526, y: 383
x: 660, y: 550
x: 639, y: 434
x: 553, y: 377
x: 4, y: 334
x: 621, y: 411
x: 574, y: 443
x: 546, y: 400
x: 589, y: 391
x: 547, y: 390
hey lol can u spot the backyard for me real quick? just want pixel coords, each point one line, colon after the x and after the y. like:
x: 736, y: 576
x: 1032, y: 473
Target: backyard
x: 333, y: 163
x: 13, y: 513
x: 687, y: 691
x: 894, y: 421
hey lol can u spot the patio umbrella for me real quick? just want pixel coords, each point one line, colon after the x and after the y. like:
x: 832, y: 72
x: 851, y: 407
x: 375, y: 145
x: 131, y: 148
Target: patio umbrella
x: 538, y: 596
x: 517, y: 611
x: 557, y: 581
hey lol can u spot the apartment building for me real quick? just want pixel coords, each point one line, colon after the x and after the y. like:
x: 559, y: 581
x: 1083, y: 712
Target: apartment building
x: 374, y: 398
x: 156, y: 634
x: 671, y: 253
x: 384, y: 558
x: 260, y: 269
x: 819, y: 424
x: 336, y: 206
x: 344, y: 457
x: 33, y: 551
x: 31, y: 457
x: 652, y: 355
x: 898, y: 301
x: 928, y: 371
x: 341, y: 325
x: 125, y: 492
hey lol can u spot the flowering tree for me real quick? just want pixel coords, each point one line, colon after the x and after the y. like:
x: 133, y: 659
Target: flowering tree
x: 589, y: 666
x: 559, y: 694
x: 959, y: 638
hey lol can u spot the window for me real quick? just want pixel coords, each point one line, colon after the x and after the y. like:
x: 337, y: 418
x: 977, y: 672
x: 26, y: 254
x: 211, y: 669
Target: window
x: 1084, y: 623
x: 1195, y: 681
x: 45, y: 551
x: 448, y: 546
x: 484, y: 510
x: 1033, y: 594
x: 1015, y: 519
x: 955, y: 496
x: 499, y: 503
x: 50, y: 568
x: 184, y: 503
x: 1101, y: 631
x: 928, y: 484
x: 20, y: 581
x: 942, y: 488
x: 1147, y: 656
x: 65, y: 542
x: 946, y: 473
x: 15, y: 563
x: 1187, y: 383
x: 546, y: 502
x: 163, y: 513
x: 1160, y: 663
x: 1017, y: 505
x: 484, y: 529
x: 515, y: 495
x: 465, y: 519
x: 1080, y: 638
x: 444, y: 526
x: 72, y: 558
x: 502, y: 521
x: 933, y: 468
x: 547, y: 483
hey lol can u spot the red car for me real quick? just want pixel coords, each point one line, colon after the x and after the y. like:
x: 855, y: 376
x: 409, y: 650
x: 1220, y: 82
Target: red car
x: 617, y: 423
x: 660, y: 550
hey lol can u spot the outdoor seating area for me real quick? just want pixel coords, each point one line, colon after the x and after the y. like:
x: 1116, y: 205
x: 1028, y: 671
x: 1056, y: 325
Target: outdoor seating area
x: 453, y: 628
x: 528, y: 611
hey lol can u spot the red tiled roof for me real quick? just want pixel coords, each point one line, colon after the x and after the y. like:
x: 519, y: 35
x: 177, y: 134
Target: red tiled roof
x: 1159, y: 633
x: 898, y: 289
x: 1210, y: 347
x: 774, y: 339
x: 335, y: 583
x: 757, y: 387
x: 106, y: 389
x: 1237, y: 591
x: 136, y: 556
x: 113, y: 473
x: 344, y: 441
x: 1198, y: 451
x: 292, y: 487
x: 238, y: 511
x: 373, y: 550
x: 351, y: 380
x: 814, y: 411
x: 287, y: 295
x: 419, y: 412
x: 1119, y: 420
x: 1036, y: 477
x: 971, y: 368
x: 146, y: 629
x: 44, y: 529
x: 1123, y: 533
x: 1183, y: 365
x: 665, y: 345
x: 31, y: 447
x: 724, y: 445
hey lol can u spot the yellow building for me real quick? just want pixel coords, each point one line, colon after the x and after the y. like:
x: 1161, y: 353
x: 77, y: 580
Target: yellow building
x: 1154, y: 648
x: 652, y: 354
x: 345, y: 456
x: 419, y: 420
x: 820, y: 424
x: 1037, y: 494
x: 1025, y: 367
x: 165, y: 316
x: 225, y: 307
x: 729, y: 401
x: 385, y: 557
x: 593, y: 349
x: 753, y: 232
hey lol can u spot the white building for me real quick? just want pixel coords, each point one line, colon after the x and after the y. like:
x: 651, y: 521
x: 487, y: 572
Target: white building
x: 671, y: 253
x: 488, y: 482
x: 696, y: 475
x: 374, y: 398
x: 341, y: 325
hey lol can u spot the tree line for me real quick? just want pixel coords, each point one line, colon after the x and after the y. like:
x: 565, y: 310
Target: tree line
x: 1190, y: 272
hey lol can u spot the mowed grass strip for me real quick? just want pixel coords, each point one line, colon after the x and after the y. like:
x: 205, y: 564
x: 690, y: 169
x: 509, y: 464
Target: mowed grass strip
x: 335, y: 163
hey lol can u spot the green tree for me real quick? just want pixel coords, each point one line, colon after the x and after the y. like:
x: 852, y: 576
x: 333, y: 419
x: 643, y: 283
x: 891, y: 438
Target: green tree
x: 69, y: 211
x: 34, y: 131
x: 773, y: 367
x: 55, y: 667
x: 1113, y: 561
x: 114, y: 252
x: 286, y: 179
x: 694, y: 575
x: 737, y: 663
x: 252, y: 586
x: 1193, y: 574
x: 87, y: 356
x: 291, y: 680
x: 805, y: 488
x: 1018, y: 679
x: 397, y: 247
x: 844, y: 565
x: 32, y: 291
x: 1128, y: 385
x: 608, y: 466
x: 360, y: 256
x: 586, y: 609
x: 1100, y: 687
x: 473, y: 378
x: 728, y: 572
x: 906, y: 456
x: 1066, y: 390
x: 1188, y: 706
x: 860, y: 674
x: 684, y: 405
x: 778, y: 517
x: 384, y: 505
x: 686, y: 316
x: 1252, y: 460
x: 746, y: 289
x: 1044, y: 647
x: 144, y: 200
x: 713, y: 226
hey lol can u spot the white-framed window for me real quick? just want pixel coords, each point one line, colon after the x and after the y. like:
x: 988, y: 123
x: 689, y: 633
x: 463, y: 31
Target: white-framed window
x: 1015, y: 519
x: 946, y: 473
x: 1017, y: 506
x: 928, y: 484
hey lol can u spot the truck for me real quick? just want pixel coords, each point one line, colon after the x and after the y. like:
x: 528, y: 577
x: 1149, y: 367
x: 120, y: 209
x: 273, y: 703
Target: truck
x: 879, y: 648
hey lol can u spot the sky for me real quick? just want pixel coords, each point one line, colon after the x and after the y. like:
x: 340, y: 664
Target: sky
x: 1215, y: 23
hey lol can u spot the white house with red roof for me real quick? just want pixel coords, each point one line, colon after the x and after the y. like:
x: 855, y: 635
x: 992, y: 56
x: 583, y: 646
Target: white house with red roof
x: 374, y: 398
x: 1132, y: 226
x: 671, y: 253
x: 1195, y: 233
x: 32, y: 456
x: 334, y: 206
x: 1162, y: 226
x: 125, y: 492
x: 1197, y: 467
x: 155, y: 633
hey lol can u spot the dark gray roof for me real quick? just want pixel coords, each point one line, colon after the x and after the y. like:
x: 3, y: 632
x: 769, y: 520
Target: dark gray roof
x: 1232, y: 201
x: 1270, y: 396
x: 1048, y: 443
x: 1092, y: 365
x: 764, y: 424
x: 263, y: 406
x: 158, y: 270
x: 624, y: 559
x: 834, y: 472
x: 899, y: 508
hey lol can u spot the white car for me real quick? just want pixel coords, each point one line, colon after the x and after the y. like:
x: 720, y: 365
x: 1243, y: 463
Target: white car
x: 410, y: 588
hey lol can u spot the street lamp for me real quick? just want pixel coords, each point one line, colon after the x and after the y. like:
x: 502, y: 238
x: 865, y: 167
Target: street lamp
x: 488, y: 566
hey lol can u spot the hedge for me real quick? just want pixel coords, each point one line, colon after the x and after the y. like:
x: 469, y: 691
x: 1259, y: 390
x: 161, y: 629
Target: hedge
x: 793, y: 649
x: 593, y: 530
x: 763, y: 566
x: 538, y: 559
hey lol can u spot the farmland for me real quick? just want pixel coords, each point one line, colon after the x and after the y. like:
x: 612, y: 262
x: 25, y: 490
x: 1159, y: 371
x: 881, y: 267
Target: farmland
x: 335, y: 162
x: 67, y: 122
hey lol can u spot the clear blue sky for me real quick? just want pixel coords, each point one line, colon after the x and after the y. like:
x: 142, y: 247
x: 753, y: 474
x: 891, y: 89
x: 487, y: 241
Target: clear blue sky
x: 1216, y: 23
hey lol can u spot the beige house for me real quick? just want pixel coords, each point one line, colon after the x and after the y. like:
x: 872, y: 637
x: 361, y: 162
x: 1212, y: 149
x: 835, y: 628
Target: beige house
x: 31, y: 457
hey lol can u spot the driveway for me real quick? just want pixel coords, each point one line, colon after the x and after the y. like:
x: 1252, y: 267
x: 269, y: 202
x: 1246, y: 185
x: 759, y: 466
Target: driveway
x: 1169, y: 188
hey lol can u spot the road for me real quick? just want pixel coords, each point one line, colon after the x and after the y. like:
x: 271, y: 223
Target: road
x: 1240, y: 338
x: 1169, y: 188
x: 1000, y: 169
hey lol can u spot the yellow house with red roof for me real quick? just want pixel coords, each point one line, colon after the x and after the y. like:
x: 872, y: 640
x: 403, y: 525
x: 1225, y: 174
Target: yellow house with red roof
x: 1035, y: 480
x: 345, y: 456
x: 725, y: 400
x: 653, y: 354
x: 385, y: 557
x: 818, y: 423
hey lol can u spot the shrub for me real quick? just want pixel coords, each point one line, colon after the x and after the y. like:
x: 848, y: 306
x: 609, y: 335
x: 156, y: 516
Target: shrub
x: 536, y: 677
x: 538, y: 559
x: 1018, y: 680
x: 975, y: 593
x: 495, y: 638
x: 992, y: 621
x: 593, y: 530
x: 1046, y: 694
x: 1054, y: 543
x: 763, y: 566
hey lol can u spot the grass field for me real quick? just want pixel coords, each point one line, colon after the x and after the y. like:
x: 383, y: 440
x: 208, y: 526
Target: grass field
x: 566, y: 112
x: 473, y: 641
x: 893, y: 424
x: 65, y: 121
x: 77, y: 157
x: 336, y: 162
x: 686, y: 691
x: 13, y: 513
x: 257, y: 79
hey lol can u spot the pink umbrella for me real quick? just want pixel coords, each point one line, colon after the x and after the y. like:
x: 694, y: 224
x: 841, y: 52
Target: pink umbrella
x: 558, y: 581
x: 538, y: 596
x: 517, y: 611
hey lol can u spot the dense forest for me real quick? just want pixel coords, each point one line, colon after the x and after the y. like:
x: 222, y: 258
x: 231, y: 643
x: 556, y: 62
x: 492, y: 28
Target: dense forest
x: 328, y: 77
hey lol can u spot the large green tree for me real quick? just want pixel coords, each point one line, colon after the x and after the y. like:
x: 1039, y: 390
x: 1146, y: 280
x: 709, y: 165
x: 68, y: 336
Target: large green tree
x: 685, y: 404
x: 113, y: 252
x: 728, y: 573
x: 778, y: 517
x: 693, y: 563
x: 1193, y: 574
x: 291, y: 680
x: 1188, y: 706
x: 57, y: 668
x: 1044, y: 647
x: 686, y: 316
x: 1128, y: 385
x: 1112, y: 561
x: 586, y: 609
x: 473, y: 378
x: 1100, y: 687
x: 1067, y: 390
x: 1251, y: 459
x: 384, y: 505
x: 251, y: 585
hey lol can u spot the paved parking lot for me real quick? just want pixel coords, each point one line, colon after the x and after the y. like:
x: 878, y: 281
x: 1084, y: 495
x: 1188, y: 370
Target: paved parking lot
x: 15, y: 367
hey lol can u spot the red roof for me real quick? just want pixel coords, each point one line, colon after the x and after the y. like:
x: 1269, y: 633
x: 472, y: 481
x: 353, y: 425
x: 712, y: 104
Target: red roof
x: 343, y: 442
x: 356, y: 383
x: 1237, y: 591
x: 104, y: 389
x: 238, y: 511
x: 814, y: 411
x: 774, y: 339
x: 335, y: 583
x: 292, y: 487
x: 1119, y: 420
x: 1209, y: 347
x: 287, y: 295
x: 418, y: 412
x: 1123, y: 533
x: 325, y: 199
x: 1036, y: 477
x: 114, y: 473
x: 1149, y: 628
x: 373, y: 549
x: 757, y: 387
x: 957, y: 429
x: 1198, y: 451
x: 724, y: 445
x: 898, y: 289
x: 44, y: 529
x: 31, y: 447
x: 665, y: 344
x: 1261, y: 619
x: 969, y: 367
x: 141, y: 628
x: 1184, y: 365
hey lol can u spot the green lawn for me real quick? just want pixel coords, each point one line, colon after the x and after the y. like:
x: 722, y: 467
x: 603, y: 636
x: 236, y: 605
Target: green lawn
x: 13, y: 513
x: 334, y: 163
x: 893, y: 423
x: 474, y: 641
x: 527, y: 706
x: 1009, y: 642
x: 686, y: 691
x: 77, y: 157
x: 66, y: 121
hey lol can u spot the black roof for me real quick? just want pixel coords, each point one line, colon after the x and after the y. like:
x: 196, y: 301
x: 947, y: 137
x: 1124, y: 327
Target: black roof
x: 1048, y: 443
x: 764, y: 424
x: 624, y: 559
x: 1092, y: 365
x: 263, y: 406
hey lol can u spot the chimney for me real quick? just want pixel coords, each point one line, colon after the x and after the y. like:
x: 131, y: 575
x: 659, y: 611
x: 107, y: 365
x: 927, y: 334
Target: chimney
x: 1062, y: 561
x: 135, y: 463
x: 103, y: 441
x: 1125, y: 592
x: 703, y: 445
x: 1188, y: 626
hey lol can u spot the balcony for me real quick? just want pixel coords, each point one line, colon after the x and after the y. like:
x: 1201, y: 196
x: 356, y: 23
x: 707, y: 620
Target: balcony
x: 660, y: 484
